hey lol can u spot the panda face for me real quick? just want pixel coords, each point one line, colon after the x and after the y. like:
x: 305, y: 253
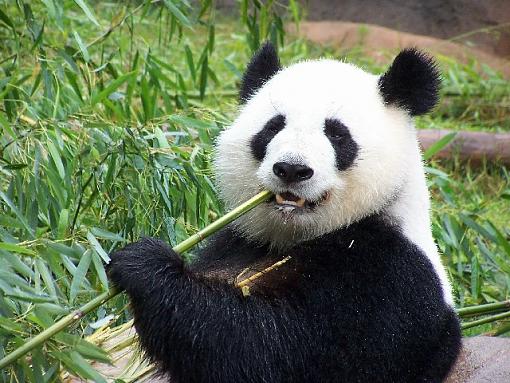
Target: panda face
x: 321, y: 137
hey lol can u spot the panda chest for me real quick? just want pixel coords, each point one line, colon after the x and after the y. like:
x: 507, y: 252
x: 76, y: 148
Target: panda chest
x: 272, y: 276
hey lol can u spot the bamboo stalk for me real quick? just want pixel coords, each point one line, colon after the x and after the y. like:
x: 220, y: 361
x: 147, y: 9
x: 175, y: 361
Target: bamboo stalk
x: 489, y: 319
x: 501, y: 329
x: 106, y: 296
x: 483, y: 309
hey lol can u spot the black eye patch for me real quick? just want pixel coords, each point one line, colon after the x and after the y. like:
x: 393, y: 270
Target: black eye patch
x: 346, y: 149
x: 259, y: 142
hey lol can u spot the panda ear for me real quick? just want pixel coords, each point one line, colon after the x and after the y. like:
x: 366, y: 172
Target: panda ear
x: 412, y: 82
x: 262, y: 67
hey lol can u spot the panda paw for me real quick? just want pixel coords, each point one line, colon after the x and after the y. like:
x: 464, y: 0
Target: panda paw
x: 135, y: 267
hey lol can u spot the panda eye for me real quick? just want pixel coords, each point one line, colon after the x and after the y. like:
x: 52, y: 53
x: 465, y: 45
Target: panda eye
x: 334, y: 129
x: 275, y: 124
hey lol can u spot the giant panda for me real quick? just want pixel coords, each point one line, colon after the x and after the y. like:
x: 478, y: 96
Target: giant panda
x: 359, y: 293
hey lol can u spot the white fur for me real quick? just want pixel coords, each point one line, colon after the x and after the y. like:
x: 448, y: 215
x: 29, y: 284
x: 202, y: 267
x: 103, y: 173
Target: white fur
x: 387, y: 174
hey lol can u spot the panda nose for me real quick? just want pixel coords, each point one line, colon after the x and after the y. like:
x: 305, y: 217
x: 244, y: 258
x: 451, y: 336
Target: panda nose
x: 292, y: 172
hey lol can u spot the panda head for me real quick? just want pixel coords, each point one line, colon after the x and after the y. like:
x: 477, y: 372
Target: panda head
x: 331, y: 141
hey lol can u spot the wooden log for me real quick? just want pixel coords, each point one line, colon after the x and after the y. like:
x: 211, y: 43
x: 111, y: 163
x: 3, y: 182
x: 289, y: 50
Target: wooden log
x: 470, y: 146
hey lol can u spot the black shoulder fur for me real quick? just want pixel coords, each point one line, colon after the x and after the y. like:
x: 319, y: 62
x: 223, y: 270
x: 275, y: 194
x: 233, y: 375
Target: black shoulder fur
x: 361, y: 304
x: 412, y: 82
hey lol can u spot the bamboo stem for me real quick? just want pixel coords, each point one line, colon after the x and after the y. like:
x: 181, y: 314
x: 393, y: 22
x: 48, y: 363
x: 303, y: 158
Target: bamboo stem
x: 490, y: 319
x: 106, y: 296
x: 483, y: 309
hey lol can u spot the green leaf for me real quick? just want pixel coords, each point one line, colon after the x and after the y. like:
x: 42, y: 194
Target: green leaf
x: 82, y: 46
x: 87, y: 11
x: 174, y: 10
x: 101, y: 273
x: 439, y: 145
x: 203, y: 77
x: 75, y: 362
x: 80, y: 273
x: 55, y: 155
x: 189, y: 61
x: 105, y: 234
x: 91, y: 351
x: 6, y: 19
x: 18, y: 214
x: 16, y: 248
x: 97, y: 247
x: 63, y: 223
x: 113, y: 86
x: 29, y: 297
x: 10, y: 325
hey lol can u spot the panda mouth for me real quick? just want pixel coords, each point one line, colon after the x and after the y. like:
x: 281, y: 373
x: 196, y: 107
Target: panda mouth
x: 289, y: 202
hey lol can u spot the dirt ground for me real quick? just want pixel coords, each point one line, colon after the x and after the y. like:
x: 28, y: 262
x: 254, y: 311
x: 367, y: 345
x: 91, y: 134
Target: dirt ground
x: 482, y: 24
x: 375, y: 41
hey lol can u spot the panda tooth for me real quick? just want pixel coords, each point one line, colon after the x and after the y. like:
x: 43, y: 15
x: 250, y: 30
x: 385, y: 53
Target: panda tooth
x: 281, y: 201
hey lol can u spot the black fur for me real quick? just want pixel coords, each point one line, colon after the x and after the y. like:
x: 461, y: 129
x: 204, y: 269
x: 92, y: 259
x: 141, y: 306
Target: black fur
x: 346, y: 149
x: 412, y: 82
x: 259, y: 142
x: 361, y: 304
x: 264, y: 65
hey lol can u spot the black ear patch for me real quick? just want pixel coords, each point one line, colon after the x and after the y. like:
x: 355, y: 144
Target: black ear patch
x: 412, y: 82
x: 262, y: 67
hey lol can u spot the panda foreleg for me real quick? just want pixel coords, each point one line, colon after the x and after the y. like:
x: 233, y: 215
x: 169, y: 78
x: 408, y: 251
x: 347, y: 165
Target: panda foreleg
x: 203, y: 330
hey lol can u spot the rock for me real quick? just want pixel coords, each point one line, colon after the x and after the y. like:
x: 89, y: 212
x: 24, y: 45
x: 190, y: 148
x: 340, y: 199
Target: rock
x: 483, y: 360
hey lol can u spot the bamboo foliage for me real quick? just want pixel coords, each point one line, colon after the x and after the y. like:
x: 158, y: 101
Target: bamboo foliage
x: 104, y: 138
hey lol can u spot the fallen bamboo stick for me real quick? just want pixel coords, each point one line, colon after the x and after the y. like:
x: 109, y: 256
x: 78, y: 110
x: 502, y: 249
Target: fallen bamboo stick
x: 483, y: 309
x: 185, y: 245
x: 485, y: 320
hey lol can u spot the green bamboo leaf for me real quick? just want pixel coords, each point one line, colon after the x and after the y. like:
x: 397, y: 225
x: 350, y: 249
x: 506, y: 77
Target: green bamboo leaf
x: 18, y: 214
x: 18, y: 265
x: 105, y: 234
x: 75, y: 362
x: 113, y: 86
x: 91, y: 351
x: 295, y: 11
x: 63, y: 223
x: 82, y: 46
x: 439, y: 145
x: 100, y: 271
x: 189, y: 61
x: 475, y: 277
x: 55, y: 155
x: 29, y: 297
x: 475, y: 226
x: 79, y: 275
x: 501, y: 239
x: 203, y: 77
x: 174, y: 10
x: 6, y: 19
x: 10, y: 325
x: 16, y: 248
x: 85, y: 8
x: 97, y: 247
x: 47, y: 277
